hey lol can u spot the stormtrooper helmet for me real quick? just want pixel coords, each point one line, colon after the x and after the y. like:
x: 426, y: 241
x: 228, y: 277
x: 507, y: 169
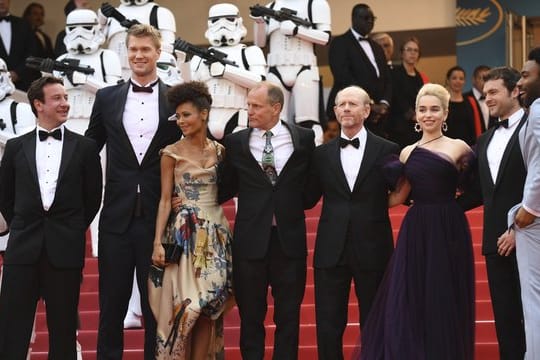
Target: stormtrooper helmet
x: 225, y: 26
x: 83, y: 34
x: 134, y: 2
x: 167, y: 70
x: 6, y: 85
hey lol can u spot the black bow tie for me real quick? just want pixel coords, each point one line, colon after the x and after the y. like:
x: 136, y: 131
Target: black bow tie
x: 354, y: 142
x: 503, y: 123
x: 146, y: 89
x: 482, y: 98
x: 56, y: 134
x: 5, y: 18
x: 362, y: 38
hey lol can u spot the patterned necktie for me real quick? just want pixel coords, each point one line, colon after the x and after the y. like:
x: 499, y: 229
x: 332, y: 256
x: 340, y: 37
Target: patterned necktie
x: 267, y: 161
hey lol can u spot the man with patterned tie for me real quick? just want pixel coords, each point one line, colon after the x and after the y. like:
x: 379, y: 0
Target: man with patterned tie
x: 131, y: 118
x: 354, y: 236
x: 51, y: 191
x: 501, y: 176
x: 266, y: 167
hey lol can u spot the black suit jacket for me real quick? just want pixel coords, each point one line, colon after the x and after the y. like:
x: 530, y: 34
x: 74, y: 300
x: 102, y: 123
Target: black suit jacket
x: 60, y: 230
x: 350, y: 66
x: 241, y: 174
x: 23, y: 45
x: 500, y: 196
x: 123, y: 172
x: 361, y: 215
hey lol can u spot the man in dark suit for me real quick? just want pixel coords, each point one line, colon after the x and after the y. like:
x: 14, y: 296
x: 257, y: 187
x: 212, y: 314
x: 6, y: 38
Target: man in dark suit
x: 50, y: 192
x: 131, y: 118
x: 266, y: 166
x: 501, y: 176
x: 476, y: 94
x: 355, y: 59
x: 354, y: 236
x: 17, y: 42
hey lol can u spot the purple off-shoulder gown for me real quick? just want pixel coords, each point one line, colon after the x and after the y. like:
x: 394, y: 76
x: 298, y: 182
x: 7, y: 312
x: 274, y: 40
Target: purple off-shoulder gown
x: 425, y: 305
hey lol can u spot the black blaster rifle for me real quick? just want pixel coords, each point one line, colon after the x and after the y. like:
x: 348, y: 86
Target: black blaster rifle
x: 279, y: 15
x: 209, y: 55
x: 109, y: 11
x: 67, y: 66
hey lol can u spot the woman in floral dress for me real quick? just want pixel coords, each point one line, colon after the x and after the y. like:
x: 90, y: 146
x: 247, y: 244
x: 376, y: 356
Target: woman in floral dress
x: 190, y: 281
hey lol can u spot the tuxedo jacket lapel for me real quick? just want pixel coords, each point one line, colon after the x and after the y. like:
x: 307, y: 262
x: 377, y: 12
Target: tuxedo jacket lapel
x: 509, y: 149
x: 368, y: 161
x: 483, y: 165
x: 163, y: 118
x: 335, y: 163
x: 30, y: 153
x: 362, y: 53
x: 119, y: 116
x: 68, y: 149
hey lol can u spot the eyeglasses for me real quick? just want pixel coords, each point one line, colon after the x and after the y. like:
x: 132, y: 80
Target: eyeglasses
x: 411, y: 50
x: 173, y: 117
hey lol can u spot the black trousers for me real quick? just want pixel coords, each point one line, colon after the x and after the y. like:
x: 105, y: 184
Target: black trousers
x: 287, y: 278
x: 332, y: 287
x: 22, y: 287
x: 503, y: 280
x: 119, y: 256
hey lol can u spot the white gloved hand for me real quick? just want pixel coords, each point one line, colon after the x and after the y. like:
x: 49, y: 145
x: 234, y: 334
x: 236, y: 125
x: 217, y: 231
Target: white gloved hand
x: 217, y: 69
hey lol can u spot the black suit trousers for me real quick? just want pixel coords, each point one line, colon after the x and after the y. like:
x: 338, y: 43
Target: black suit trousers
x: 503, y: 279
x: 287, y: 278
x: 22, y: 286
x: 119, y: 256
x: 332, y: 288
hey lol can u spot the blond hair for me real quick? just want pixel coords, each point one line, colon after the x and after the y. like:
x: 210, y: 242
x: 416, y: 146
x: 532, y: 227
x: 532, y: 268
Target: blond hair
x: 436, y: 90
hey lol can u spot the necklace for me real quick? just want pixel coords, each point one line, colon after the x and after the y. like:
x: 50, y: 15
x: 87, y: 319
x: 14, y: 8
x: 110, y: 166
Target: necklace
x: 427, y: 142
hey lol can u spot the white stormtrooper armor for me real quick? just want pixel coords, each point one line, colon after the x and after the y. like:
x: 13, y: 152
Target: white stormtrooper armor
x: 140, y: 10
x: 167, y: 69
x: 228, y: 84
x: 11, y: 126
x: 83, y: 40
x: 291, y: 59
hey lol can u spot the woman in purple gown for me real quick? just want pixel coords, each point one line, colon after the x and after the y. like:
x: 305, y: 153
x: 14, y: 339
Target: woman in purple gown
x: 425, y: 305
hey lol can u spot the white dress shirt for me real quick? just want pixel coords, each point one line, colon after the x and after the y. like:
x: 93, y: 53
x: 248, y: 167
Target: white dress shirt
x: 48, y: 158
x: 5, y: 33
x: 351, y: 157
x: 499, y: 141
x: 141, y: 119
x: 281, y: 143
x: 366, y: 46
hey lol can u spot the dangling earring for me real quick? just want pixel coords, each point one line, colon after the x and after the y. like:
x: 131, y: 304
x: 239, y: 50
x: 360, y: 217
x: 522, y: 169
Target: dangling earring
x: 417, y: 127
x: 444, y: 126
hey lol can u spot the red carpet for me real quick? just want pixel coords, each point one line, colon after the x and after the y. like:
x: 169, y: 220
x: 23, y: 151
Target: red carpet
x: 486, y: 343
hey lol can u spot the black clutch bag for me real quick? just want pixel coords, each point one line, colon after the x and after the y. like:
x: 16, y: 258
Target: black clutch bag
x: 172, y: 253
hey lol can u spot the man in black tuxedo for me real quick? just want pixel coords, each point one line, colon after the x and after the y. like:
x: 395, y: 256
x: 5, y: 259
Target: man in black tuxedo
x: 501, y: 178
x: 50, y: 192
x: 17, y: 42
x: 355, y: 59
x: 266, y: 166
x: 131, y: 118
x: 354, y: 236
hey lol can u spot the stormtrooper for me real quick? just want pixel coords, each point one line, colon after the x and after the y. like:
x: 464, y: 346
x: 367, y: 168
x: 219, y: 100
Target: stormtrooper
x: 83, y: 40
x: 230, y: 81
x: 291, y: 59
x: 167, y: 69
x: 15, y: 119
x: 143, y: 11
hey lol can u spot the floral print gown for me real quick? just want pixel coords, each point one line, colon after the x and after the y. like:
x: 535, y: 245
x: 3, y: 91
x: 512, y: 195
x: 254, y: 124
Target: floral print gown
x: 199, y: 280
